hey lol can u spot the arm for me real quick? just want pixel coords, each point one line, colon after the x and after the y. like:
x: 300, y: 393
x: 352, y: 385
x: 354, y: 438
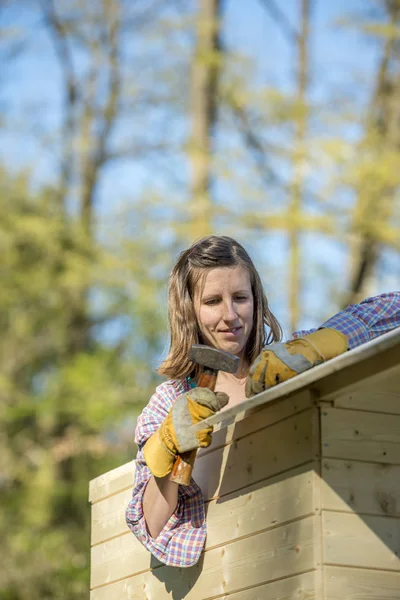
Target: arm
x: 159, y: 503
x: 180, y: 540
x: 363, y: 322
x: 351, y: 327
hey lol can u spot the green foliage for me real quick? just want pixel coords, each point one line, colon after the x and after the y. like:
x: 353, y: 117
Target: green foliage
x: 64, y: 399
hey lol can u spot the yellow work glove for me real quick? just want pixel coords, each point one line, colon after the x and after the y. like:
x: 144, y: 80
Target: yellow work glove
x: 175, y: 436
x: 279, y: 362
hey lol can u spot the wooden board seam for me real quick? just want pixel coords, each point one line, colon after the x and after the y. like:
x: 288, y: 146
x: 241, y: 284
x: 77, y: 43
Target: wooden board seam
x: 383, y: 570
x: 359, y: 460
x: 113, y: 537
x: 124, y: 489
x: 353, y: 568
x: 103, y: 585
x: 358, y: 513
x: 363, y: 410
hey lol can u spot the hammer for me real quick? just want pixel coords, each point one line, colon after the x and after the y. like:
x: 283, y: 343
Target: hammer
x: 212, y: 360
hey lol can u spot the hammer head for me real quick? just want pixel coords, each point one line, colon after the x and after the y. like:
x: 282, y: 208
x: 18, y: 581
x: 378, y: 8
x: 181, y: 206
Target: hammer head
x: 218, y: 360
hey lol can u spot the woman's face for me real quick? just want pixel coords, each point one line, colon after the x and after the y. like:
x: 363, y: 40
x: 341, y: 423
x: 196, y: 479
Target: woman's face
x: 224, y: 307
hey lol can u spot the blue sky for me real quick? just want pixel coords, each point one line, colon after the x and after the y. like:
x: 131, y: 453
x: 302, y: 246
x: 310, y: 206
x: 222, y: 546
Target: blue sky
x: 30, y: 84
x: 29, y: 93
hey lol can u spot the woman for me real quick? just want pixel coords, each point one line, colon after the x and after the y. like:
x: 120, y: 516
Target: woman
x: 216, y: 298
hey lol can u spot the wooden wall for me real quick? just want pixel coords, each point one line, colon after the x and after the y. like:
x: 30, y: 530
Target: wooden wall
x: 263, y: 531
x: 303, y: 503
x: 360, y: 489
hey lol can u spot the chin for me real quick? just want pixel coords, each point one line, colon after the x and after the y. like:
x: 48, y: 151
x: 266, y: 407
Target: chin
x: 233, y: 348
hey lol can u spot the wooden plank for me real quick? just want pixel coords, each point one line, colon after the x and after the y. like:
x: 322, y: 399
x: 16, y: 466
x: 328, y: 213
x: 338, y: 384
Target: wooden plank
x: 271, y: 555
x: 318, y: 531
x: 361, y: 363
x: 111, y: 482
x: 372, y: 488
x: 263, y: 454
x: 108, y: 517
x: 378, y: 393
x: 260, y: 417
x: 299, y: 587
x: 382, y: 401
x: 357, y: 435
x: 267, y: 505
x: 360, y: 584
x: 368, y: 542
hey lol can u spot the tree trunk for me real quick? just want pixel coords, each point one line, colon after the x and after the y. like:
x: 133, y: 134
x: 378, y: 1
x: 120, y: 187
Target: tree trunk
x: 204, y: 83
x: 295, y: 208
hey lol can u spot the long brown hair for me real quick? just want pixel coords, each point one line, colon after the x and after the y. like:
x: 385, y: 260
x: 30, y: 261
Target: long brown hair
x: 209, y: 253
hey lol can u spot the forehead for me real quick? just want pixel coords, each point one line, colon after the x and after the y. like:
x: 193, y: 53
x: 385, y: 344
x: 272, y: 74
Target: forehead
x: 224, y: 278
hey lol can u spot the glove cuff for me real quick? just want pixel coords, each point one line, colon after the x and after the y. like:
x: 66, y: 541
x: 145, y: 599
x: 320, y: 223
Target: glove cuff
x: 158, y: 457
x: 328, y: 342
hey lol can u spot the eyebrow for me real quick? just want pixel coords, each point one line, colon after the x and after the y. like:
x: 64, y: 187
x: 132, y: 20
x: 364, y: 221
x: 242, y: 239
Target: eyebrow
x: 211, y: 295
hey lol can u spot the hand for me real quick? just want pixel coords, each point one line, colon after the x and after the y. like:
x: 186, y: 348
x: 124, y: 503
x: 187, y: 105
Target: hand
x: 280, y: 362
x: 175, y: 436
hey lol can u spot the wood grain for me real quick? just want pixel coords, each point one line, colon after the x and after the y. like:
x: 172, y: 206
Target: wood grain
x: 366, y: 436
x: 368, y: 542
x: 369, y: 488
x: 361, y: 584
x: 112, y: 482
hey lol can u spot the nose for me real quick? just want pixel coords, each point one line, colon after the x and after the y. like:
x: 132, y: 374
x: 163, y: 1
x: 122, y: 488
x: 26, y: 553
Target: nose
x: 229, y: 311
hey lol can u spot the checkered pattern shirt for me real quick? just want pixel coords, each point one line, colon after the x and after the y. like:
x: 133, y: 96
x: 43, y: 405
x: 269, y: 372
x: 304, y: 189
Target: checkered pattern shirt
x: 182, y: 539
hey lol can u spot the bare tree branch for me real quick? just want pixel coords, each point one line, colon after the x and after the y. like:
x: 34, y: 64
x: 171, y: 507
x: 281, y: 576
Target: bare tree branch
x: 96, y: 159
x: 256, y: 146
x: 281, y: 19
x: 144, y: 18
x: 63, y: 52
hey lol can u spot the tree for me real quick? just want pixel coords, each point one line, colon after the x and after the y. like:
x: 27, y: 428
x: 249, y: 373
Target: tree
x: 375, y: 173
x: 63, y: 413
x: 204, y: 86
x: 299, y: 159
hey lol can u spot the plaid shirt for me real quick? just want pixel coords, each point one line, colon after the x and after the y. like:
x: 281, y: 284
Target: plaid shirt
x: 182, y: 539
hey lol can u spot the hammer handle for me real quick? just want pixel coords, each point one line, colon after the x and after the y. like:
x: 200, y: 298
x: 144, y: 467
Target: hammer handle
x: 184, y: 463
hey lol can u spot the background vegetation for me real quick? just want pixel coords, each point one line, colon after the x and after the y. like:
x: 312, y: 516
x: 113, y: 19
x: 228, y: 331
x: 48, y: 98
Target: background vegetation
x: 128, y: 130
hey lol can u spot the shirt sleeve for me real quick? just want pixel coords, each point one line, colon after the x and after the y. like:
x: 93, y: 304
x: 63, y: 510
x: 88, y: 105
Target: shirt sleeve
x: 365, y: 321
x: 182, y: 539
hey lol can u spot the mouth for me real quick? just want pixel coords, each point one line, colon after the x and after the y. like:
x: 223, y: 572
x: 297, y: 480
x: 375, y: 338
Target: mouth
x: 232, y: 331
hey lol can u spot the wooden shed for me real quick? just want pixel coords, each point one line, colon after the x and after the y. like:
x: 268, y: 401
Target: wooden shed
x: 303, y: 496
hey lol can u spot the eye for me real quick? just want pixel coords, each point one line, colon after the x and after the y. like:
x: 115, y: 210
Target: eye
x: 211, y: 301
x: 241, y: 298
